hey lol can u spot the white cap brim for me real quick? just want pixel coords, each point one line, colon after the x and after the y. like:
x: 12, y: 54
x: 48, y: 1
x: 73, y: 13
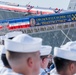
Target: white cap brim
x: 64, y: 53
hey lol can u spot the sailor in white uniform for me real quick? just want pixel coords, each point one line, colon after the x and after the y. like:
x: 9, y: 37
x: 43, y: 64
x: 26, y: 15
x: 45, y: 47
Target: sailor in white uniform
x: 5, y: 67
x: 45, y: 52
x: 65, y: 59
x: 23, y: 54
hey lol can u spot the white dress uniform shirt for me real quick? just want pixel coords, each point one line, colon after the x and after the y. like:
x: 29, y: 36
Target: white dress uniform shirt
x: 7, y: 71
x: 43, y: 72
x: 53, y: 72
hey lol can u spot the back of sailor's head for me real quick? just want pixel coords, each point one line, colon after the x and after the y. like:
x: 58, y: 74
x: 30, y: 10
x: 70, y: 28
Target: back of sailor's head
x: 65, y: 55
x: 21, y: 49
x: 22, y: 44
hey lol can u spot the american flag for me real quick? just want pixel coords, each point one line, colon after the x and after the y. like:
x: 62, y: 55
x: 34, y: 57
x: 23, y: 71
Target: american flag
x: 18, y: 25
x: 29, y: 7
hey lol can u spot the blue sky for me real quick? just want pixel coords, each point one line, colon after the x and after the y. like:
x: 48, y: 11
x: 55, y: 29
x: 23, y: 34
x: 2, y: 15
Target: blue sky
x: 43, y: 3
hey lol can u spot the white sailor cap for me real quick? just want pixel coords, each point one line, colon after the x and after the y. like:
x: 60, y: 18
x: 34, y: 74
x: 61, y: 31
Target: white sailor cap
x: 12, y: 34
x: 9, y: 35
x: 67, y: 51
x: 67, y: 44
x: 23, y: 43
x: 45, y: 50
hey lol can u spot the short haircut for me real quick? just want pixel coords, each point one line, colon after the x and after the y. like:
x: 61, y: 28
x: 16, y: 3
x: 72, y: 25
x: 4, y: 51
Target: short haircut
x: 17, y: 55
x: 62, y: 64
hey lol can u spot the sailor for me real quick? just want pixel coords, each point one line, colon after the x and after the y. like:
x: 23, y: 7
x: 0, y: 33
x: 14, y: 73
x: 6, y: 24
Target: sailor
x: 65, y: 59
x: 23, y: 54
x: 45, y: 52
x: 9, y: 35
x: 50, y: 64
x: 6, y: 69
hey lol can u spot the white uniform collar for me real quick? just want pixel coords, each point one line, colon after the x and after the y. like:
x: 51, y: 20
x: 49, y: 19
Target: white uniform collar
x: 53, y: 72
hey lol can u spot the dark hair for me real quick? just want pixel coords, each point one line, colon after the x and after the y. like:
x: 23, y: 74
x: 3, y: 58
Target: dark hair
x: 62, y: 64
x: 4, y: 60
x: 49, y: 64
x: 3, y: 56
x: 18, y: 55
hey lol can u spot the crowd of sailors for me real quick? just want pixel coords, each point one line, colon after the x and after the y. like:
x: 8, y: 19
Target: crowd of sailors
x: 22, y: 54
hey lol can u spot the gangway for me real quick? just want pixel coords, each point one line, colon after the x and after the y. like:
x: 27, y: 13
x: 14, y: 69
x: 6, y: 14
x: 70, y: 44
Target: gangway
x: 39, y: 24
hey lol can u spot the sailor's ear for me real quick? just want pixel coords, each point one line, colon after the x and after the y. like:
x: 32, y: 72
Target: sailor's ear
x: 30, y: 62
x: 44, y: 60
x: 72, y: 67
